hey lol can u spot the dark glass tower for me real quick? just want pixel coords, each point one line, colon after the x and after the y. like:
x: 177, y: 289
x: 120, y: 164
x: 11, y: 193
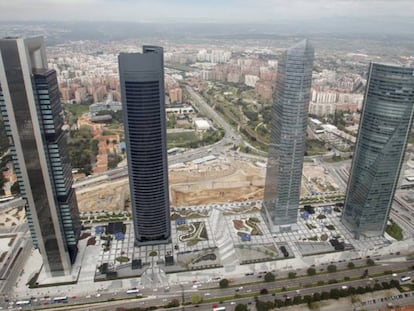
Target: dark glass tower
x: 387, y: 117
x: 142, y: 91
x: 31, y: 110
x: 287, y: 138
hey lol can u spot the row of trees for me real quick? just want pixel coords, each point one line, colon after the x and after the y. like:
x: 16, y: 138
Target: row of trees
x: 311, y: 300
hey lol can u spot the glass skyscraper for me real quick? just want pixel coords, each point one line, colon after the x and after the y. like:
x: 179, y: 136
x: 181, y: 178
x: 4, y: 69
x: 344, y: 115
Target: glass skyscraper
x: 32, y: 115
x: 386, y: 119
x: 143, y: 100
x: 287, y: 138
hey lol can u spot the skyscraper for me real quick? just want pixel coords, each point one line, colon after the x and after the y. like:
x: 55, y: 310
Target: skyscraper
x: 384, y: 129
x: 287, y: 138
x: 143, y: 97
x: 32, y: 115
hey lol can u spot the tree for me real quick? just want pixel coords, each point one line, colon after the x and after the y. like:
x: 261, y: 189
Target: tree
x: 224, y: 283
x: 3, y: 180
x: 316, y: 296
x: 307, y: 298
x: 351, y: 265
x: 291, y: 275
x: 331, y: 268
x: 325, y: 296
x: 311, y: 271
x: 278, y: 303
x: 269, y: 277
x: 377, y: 286
x: 241, y: 307
x: 334, y: 293
x: 15, y: 188
x: 297, y: 299
x: 261, y: 306
x: 173, y: 303
x: 264, y: 291
x: 370, y: 262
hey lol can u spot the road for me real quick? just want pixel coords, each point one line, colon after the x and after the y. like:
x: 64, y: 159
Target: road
x: 245, y: 285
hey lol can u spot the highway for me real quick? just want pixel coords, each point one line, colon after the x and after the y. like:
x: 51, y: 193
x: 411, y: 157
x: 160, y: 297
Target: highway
x: 246, y: 285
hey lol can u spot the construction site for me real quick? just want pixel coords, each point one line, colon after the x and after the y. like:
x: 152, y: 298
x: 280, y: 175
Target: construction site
x: 221, y: 180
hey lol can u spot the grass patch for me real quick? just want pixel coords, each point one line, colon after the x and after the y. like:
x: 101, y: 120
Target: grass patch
x: 395, y: 231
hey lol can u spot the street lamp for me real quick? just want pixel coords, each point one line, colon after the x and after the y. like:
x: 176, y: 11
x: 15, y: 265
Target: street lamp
x: 182, y: 296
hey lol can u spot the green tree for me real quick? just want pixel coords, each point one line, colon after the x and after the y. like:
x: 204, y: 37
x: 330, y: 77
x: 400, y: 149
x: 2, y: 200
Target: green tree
x: 334, y: 293
x: 311, y: 271
x: 269, y: 277
x: 370, y: 262
x: 241, y: 307
x: 261, y: 306
x: 173, y: 303
x: 3, y: 180
x: 224, y: 283
x: 316, y: 296
x: 264, y: 291
x: 331, y: 268
x: 325, y: 296
x: 291, y: 275
x: 351, y: 265
x: 15, y: 188
x: 297, y: 300
x: 278, y: 303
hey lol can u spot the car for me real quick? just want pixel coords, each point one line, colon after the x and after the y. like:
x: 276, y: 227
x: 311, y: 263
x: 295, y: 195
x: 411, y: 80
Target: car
x: 344, y: 287
x: 394, y: 274
x: 232, y: 303
x: 241, y: 287
x: 215, y: 305
x: 207, y: 294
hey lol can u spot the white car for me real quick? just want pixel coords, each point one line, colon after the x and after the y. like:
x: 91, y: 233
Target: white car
x: 232, y: 303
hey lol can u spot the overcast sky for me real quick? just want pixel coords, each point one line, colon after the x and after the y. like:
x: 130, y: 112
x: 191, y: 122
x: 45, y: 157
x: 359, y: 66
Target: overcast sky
x: 200, y: 10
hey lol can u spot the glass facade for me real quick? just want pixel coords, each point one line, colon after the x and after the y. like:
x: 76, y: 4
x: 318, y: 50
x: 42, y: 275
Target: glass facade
x: 384, y: 128
x: 142, y: 89
x: 38, y: 151
x: 288, y: 134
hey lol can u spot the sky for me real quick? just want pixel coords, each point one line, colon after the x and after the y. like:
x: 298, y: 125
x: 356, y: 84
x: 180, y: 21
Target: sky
x: 231, y: 11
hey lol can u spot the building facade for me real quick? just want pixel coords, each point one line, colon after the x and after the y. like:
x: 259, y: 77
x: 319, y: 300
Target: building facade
x: 143, y: 99
x: 387, y: 116
x: 32, y: 115
x: 287, y: 140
